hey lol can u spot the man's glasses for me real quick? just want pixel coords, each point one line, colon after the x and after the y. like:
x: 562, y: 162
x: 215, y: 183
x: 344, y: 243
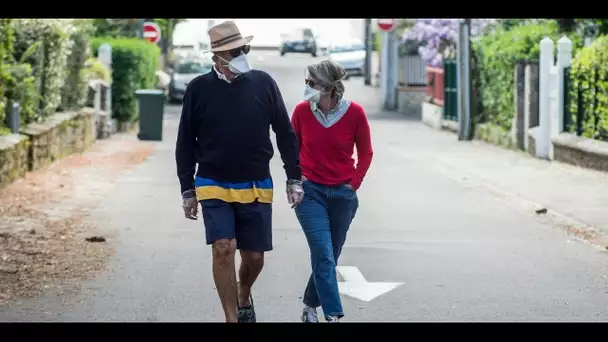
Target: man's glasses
x: 237, y: 52
x: 234, y: 53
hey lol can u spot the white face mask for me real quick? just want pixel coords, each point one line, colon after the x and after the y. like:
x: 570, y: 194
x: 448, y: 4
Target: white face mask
x: 311, y: 94
x: 238, y: 65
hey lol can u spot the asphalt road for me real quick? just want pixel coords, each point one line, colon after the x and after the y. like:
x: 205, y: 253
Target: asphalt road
x: 458, y: 252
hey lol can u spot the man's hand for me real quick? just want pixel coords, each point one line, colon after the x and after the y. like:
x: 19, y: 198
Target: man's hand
x: 190, y: 204
x: 350, y: 187
x: 295, y: 192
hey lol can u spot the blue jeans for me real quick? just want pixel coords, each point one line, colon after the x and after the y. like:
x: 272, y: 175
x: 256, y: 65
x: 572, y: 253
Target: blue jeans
x: 325, y: 215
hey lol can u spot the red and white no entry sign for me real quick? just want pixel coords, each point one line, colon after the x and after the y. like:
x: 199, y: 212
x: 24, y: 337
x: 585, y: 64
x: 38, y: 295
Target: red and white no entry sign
x: 386, y: 24
x: 151, y: 32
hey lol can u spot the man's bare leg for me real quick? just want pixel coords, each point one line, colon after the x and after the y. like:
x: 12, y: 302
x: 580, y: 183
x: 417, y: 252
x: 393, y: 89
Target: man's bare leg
x: 224, y: 276
x: 251, y: 266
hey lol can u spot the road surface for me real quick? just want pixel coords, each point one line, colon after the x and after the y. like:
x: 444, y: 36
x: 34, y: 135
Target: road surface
x: 456, y: 251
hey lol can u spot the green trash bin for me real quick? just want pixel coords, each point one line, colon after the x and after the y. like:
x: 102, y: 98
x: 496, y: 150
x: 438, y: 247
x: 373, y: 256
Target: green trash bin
x: 151, y: 111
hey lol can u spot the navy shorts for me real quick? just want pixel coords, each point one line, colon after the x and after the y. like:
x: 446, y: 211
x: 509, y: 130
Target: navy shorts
x: 250, y: 224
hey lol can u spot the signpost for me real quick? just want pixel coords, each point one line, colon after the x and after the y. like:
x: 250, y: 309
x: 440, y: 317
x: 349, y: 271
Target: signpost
x: 386, y: 24
x: 151, y: 32
x: 389, y: 63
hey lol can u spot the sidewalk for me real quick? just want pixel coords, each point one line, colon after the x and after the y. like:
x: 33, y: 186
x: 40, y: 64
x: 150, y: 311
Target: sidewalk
x: 44, y: 226
x: 576, y: 199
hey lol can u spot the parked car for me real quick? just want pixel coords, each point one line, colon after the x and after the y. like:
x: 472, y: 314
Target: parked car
x: 301, y: 40
x: 350, y: 54
x: 185, y: 71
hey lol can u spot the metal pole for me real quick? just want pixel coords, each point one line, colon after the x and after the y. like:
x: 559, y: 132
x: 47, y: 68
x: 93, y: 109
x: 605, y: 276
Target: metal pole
x: 388, y: 70
x: 393, y: 73
x: 368, y: 52
x: 464, y: 80
x: 141, y: 27
x: 384, y: 66
x: 15, y: 119
x: 467, y: 80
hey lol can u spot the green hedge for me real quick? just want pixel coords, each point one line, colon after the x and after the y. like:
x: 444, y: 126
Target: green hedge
x: 49, y: 61
x: 96, y: 70
x: 496, y: 54
x: 74, y: 91
x: 21, y: 88
x: 134, y: 63
x: 17, y: 81
x: 7, y: 38
x: 585, y: 64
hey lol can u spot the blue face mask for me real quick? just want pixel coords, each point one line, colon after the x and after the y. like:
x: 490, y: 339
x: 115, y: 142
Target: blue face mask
x: 311, y: 94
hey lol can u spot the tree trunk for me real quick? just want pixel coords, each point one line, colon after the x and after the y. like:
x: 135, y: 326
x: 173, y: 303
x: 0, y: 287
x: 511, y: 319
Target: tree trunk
x: 168, y: 42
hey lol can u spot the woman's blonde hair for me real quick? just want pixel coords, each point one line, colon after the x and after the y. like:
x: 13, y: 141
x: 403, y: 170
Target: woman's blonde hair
x: 329, y: 75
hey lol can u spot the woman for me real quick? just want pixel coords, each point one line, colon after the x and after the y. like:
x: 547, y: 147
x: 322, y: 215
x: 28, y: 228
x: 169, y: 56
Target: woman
x: 328, y: 126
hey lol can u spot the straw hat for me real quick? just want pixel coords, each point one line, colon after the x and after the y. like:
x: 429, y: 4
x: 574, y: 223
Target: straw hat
x: 226, y: 36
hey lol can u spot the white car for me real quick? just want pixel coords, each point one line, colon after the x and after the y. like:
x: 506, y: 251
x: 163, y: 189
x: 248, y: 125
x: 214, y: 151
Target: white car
x: 185, y: 71
x: 350, y: 54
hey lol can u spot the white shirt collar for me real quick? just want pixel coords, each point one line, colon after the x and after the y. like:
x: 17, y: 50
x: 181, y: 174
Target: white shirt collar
x: 222, y: 76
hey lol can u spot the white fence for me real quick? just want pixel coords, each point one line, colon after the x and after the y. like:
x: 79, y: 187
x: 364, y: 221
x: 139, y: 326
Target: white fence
x: 551, y: 93
x: 412, y: 71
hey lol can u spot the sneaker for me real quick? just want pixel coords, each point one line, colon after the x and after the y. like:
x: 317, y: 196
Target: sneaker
x: 333, y: 319
x: 246, y: 314
x: 309, y: 315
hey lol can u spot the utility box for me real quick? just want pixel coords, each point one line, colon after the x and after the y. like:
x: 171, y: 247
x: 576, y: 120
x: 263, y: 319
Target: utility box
x: 151, y: 112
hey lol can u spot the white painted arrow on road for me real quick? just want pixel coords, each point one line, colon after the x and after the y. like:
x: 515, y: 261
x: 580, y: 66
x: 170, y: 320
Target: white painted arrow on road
x: 355, y: 285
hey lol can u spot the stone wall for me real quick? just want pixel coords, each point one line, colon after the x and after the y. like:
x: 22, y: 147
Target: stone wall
x: 40, y: 144
x: 581, y: 151
x: 575, y: 150
x: 496, y: 135
x: 14, y: 153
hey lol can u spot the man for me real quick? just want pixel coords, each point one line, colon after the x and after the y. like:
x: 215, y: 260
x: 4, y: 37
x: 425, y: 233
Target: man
x: 224, y: 128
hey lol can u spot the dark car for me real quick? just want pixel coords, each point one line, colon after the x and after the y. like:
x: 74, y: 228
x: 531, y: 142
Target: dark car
x: 299, y: 41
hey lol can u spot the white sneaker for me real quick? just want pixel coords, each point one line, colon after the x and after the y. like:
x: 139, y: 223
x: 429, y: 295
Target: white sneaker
x: 309, y: 315
x: 333, y: 319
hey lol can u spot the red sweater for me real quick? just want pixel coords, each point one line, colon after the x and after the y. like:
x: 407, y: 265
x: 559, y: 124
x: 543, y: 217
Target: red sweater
x: 326, y: 154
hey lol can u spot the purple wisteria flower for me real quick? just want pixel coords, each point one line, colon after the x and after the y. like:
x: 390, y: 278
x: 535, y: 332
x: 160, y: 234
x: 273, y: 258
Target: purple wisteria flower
x: 438, y: 36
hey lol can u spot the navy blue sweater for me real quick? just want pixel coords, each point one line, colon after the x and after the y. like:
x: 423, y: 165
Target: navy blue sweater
x: 225, y: 128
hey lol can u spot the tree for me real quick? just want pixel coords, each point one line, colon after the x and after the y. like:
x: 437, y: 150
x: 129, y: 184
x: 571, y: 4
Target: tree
x: 115, y: 27
x: 585, y: 27
x: 131, y: 27
x: 404, y: 25
x: 166, y: 27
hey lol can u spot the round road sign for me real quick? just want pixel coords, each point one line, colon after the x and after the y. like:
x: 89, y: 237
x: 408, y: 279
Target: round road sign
x: 151, y: 32
x: 386, y: 24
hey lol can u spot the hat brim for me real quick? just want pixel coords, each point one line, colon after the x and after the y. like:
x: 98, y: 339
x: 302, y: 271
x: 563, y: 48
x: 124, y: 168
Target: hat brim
x: 233, y: 45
